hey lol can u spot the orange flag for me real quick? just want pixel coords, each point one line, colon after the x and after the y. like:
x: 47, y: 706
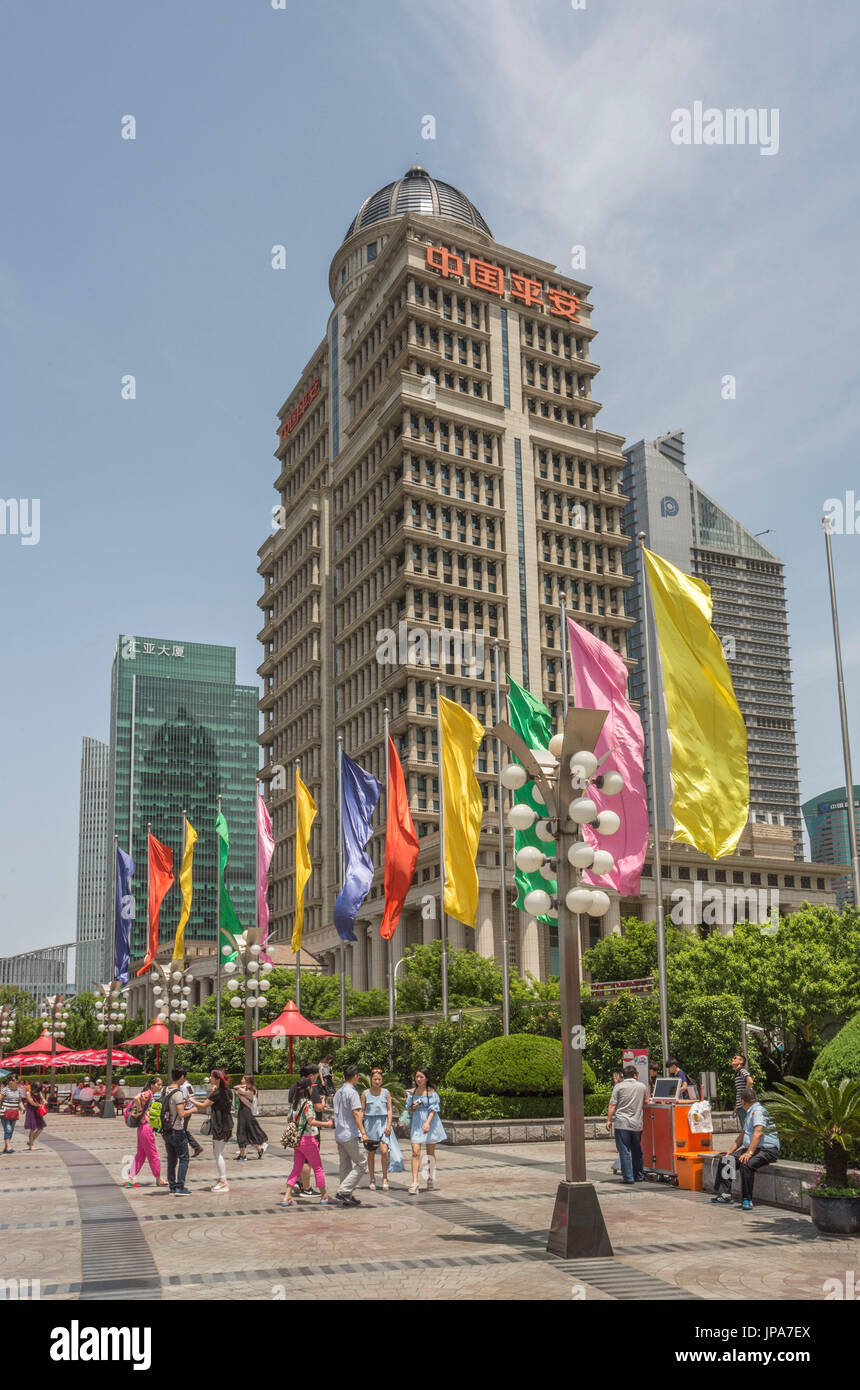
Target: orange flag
x: 401, y: 846
x: 160, y: 882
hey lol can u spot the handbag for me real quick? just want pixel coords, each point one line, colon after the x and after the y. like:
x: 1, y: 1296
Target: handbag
x: 42, y: 1110
x: 11, y: 1114
x: 206, y: 1127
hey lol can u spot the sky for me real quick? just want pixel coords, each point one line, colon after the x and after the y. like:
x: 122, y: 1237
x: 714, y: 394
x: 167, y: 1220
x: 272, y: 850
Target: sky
x: 258, y: 126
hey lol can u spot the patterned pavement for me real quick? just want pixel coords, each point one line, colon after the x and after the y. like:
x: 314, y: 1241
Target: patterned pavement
x: 480, y: 1235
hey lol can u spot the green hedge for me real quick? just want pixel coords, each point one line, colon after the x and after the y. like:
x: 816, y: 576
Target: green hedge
x: 466, y: 1105
x: 265, y: 1082
x: 841, y: 1056
x: 521, y: 1065
x: 597, y: 1103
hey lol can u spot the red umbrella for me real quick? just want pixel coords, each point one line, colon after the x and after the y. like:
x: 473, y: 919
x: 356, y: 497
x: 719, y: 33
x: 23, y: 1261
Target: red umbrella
x: 291, y: 1024
x: 157, y: 1033
x: 97, y: 1057
x: 33, y: 1059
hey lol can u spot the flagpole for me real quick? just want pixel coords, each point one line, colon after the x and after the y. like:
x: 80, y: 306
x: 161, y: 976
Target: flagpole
x: 843, y: 715
x: 116, y: 905
x: 149, y: 997
x: 218, y: 942
x: 171, y: 1030
x: 386, y: 715
x: 564, y: 670
x: 500, y: 794
x: 655, y: 763
x: 442, y: 856
x: 299, y: 951
x: 340, y: 880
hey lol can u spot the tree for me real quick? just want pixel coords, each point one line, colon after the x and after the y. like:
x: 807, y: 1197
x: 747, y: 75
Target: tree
x: 627, y: 1020
x: 632, y: 956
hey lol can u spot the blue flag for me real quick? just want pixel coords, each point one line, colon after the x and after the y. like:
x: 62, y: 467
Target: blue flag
x: 124, y: 914
x: 359, y: 795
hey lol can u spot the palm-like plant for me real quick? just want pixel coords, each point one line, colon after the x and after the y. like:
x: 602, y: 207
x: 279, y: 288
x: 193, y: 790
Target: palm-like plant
x: 819, y: 1110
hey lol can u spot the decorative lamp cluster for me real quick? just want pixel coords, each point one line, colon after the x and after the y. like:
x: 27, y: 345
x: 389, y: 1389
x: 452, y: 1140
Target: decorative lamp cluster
x: 584, y: 772
x: 55, y: 1016
x: 171, y: 989
x: 111, y: 1007
x: 247, y: 982
x: 7, y: 1025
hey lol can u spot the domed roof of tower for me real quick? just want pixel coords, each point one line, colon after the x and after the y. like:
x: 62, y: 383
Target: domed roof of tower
x: 417, y: 192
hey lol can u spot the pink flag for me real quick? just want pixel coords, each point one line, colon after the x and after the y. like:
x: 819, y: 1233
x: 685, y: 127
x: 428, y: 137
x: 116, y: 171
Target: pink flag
x: 600, y: 682
x: 265, y: 850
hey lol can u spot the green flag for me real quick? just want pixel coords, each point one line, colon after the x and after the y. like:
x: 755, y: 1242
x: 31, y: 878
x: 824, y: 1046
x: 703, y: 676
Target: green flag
x: 533, y: 722
x: 226, y: 911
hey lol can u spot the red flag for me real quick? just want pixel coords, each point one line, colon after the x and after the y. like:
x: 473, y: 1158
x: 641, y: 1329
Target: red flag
x: 401, y: 846
x: 160, y: 881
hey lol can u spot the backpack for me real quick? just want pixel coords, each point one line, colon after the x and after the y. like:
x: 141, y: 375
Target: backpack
x: 131, y: 1119
x: 159, y: 1115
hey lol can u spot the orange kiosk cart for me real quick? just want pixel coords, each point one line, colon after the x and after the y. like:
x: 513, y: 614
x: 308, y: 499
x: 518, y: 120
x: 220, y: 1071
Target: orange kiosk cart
x: 671, y: 1151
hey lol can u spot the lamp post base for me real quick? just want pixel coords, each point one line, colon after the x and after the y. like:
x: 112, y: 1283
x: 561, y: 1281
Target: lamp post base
x: 578, y: 1231
x: 109, y: 1111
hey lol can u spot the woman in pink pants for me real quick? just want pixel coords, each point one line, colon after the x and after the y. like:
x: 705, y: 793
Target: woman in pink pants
x: 307, y: 1150
x: 147, y: 1151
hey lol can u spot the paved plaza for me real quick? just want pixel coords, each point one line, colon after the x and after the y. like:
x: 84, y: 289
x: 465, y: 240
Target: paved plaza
x: 68, y: 1223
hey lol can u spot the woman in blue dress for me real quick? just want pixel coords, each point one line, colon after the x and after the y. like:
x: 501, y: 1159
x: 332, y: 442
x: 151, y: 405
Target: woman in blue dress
x: 423, y: 1105
x: 378, y: 1120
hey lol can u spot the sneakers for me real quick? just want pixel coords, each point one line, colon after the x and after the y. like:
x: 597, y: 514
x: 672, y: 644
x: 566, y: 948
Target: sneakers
x: 722, y: 1199
x: 348, y: 1200
x: 431, y: 1184
x: 220, y: 1187
x: 263, y: 1148
x: 746, y: 1205
x: 239, y: 1158
x: 180, y: 1192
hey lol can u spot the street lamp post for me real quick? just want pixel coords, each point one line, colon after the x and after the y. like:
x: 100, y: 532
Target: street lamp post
x: 562, y: 777
x: 7, y: 1026
x: 55, y: 1016
x: 247, y: 984
x: 111, y: 1013
x: 171, y: 989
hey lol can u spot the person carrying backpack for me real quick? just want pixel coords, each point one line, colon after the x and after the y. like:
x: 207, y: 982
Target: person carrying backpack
x: 167, y: 1115
x: 137, y: 1117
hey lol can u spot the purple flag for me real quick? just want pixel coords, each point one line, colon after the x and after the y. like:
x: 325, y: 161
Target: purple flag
x: 124, y: 914
x: 600, y: 682
x: 359, y: 795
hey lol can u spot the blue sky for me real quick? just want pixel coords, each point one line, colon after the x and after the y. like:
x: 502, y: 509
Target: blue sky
x: 257, y: 127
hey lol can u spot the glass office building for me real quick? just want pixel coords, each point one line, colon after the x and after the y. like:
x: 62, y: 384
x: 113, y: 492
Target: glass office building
x: 92, y: 846
x: 826, y: 818
x: 182, y: 734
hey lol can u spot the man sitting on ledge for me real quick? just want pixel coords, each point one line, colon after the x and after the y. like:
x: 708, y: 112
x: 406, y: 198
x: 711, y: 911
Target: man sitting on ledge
x: 756, y: 1145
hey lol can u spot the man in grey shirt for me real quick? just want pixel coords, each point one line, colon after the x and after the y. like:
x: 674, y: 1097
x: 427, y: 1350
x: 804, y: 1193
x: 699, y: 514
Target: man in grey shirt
x: 349, y: 1135
x: 625, y: 1109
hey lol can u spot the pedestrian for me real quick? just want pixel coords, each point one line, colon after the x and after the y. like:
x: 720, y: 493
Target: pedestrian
x: 742, y: 1081
x: 307, y: 1151
x: 35, y: 1111
x: 423, y: 1105
x: 188, y: 1094
x: 310, y: 1072
x: 118, y: 1096
x: 350, y: 1136
x: 653, y: 1077
x: 616, y: 1077
x: 625, y: 1112
x: 378, y: 1116
x: 174, y: 1109
x: 219, y: 1102
x: 756, y: 1145
x: 247, y: 1129
x: 325, y: 1074
x: 675, y: 1070
x: 11, y: 1102
x: 147, y: 1150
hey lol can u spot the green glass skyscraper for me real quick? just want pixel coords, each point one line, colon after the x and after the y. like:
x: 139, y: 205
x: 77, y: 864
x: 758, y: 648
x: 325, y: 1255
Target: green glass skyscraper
x: 182, y: 734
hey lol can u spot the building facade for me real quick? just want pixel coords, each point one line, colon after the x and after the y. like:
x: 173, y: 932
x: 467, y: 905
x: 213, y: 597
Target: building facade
x: 183, y: 734
x: 440, y: 472
x: 92, y: 862
x: 747, y: 582
x: 826, y: 818
x: 45, y: 970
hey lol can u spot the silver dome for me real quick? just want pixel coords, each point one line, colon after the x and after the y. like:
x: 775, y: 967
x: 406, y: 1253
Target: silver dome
x: 417, y: 192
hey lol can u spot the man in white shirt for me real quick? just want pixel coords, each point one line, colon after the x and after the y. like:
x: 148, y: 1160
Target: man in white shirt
x: 350, y: 1137
x: 625, y: 1109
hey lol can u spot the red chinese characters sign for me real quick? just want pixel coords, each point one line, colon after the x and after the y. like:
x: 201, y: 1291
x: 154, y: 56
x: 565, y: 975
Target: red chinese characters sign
x: 298, y: 411
x: 484, y: 275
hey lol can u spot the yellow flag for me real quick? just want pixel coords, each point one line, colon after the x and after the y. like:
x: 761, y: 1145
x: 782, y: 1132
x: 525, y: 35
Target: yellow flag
x: 708, y: 738
x: 305, y: 812
x: 187, y: 888
x: 461, y: 739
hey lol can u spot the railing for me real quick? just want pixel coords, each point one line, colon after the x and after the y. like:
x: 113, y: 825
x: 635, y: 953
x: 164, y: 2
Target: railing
x: 607, y: 989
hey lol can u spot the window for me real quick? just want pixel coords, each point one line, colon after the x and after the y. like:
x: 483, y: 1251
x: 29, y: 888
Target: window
x: 372, y: 250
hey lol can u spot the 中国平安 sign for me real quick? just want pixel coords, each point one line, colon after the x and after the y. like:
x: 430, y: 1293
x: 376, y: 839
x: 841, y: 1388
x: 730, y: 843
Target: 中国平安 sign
x: 298, y: 411
x: 484, y: 275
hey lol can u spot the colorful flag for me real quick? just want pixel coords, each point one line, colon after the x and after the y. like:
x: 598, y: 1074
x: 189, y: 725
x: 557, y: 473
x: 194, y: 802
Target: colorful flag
x: 187, y: 888
x: 228, y: 921
x: 160, y: 883
x: 401, y: 846
x: 462, y: 736
x: 124, y: 915
x: 305, y: 812
x: 600, y: 682
x: 708, y: 738
x: 265, y: 850
x: 533, y: 722
x: 359, y: 793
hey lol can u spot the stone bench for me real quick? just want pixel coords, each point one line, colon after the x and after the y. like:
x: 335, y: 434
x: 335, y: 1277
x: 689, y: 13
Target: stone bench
x: 780, y: 1184
x: 541, y: 1131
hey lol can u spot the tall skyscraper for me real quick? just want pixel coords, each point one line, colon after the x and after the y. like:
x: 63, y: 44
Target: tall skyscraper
x: 182, y: 734
x: 747, y: 583
x: 439, y: 472
x: 826, y: 819
x: 92, y: 863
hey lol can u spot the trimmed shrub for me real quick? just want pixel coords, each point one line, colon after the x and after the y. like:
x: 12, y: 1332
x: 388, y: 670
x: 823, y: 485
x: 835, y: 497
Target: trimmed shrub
x: 521, y: 1065
x: 841, y: 1056
x: 467, y: 1105
x: 597, y: 1103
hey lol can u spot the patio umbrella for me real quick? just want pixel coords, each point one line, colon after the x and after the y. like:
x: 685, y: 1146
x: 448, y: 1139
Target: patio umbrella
x: 157, y: 1033
x: 97, y: 1057
x: 34, y: 1059
x: 291, y: 1024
